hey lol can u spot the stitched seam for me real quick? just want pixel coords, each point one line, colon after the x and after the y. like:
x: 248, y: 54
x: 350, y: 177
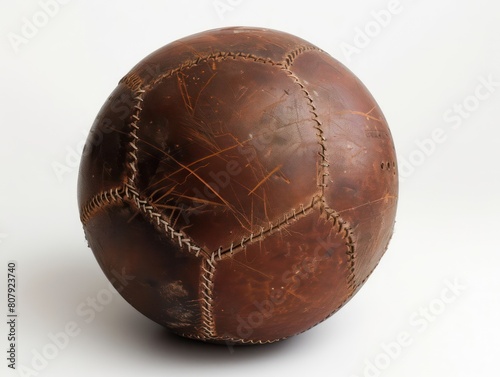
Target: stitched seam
x: 158, y: 219
x: 216, y: 56
x: 250, y: 341
x: 99, y: 201
x: 280, y: 224
x: 132, y: 81
x: 286, y: 66
x: 134, y: 127
x: 208, y: 266
x: 207, y: 280
x: 288, y: 61
x: 231, y: 340
x: 323, y: 165
x: 344, y: 229
x: 115, y: 195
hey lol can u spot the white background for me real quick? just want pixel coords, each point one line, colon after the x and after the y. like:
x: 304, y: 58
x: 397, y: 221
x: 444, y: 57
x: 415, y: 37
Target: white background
x: 430, y: 57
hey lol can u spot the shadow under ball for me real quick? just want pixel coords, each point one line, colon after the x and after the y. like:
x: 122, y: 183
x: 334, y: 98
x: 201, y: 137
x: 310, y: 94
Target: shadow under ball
x: 243, y: 181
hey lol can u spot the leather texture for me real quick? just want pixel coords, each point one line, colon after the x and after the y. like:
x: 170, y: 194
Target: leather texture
x: 245, y: 180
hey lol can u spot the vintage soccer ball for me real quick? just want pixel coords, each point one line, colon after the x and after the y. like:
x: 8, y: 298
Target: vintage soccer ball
x: 244, y: 181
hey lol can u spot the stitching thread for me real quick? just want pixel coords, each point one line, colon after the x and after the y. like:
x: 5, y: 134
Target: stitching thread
x: 132, y: 80
x: 159, y: 220
x: 209, y: 265
x: 288, y: 61
x: 229, y: 339
x: 323, y: 165
x: 134, y: 127
x: 100, y: 200
x: 217, y: 56
x: 286, y: 219
x: 208, y: 328
x: 345, y: 231
x: 112, y: 196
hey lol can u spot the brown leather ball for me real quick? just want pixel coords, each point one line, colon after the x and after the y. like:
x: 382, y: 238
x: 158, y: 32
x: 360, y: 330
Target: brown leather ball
x: 243, y: 181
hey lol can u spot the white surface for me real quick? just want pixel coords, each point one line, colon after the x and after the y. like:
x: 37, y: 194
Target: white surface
x: 427, y: 58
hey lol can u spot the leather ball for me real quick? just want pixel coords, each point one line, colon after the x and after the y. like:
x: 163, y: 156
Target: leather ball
x: 243, y: 181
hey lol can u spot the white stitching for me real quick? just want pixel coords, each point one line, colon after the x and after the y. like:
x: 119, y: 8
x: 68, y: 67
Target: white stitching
x: 208, y: 274
x: 132, y: 154
x: 102, y: 199
x: 157, y: 218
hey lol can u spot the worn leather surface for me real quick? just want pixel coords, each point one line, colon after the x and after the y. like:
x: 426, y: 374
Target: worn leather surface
x: 245, y: 179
